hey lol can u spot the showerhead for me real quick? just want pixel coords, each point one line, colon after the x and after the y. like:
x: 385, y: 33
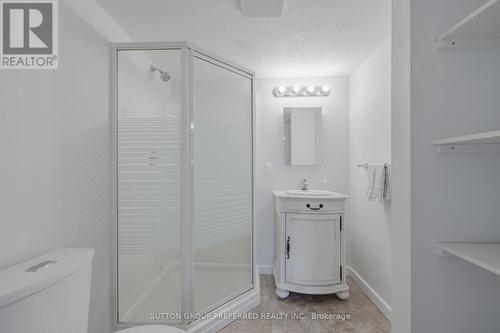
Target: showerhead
x: 164, y: 76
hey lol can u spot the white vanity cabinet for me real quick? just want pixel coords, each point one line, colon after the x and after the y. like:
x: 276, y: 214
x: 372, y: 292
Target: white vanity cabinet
x: 309, y: 244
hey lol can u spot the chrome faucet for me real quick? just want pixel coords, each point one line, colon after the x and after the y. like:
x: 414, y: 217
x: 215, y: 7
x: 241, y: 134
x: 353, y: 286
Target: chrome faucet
x: 305, y: 184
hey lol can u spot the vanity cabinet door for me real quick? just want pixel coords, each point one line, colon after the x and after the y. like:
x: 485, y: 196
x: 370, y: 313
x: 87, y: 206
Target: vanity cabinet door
x: 312, y: 249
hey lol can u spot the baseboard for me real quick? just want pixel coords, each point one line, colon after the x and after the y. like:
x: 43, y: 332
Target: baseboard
x: 265, y: 269
x: 370, y: 292
x: 367, y: 289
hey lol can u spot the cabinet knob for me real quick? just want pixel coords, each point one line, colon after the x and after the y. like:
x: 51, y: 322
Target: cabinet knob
x: 288, y: 247
x: 314, y: 208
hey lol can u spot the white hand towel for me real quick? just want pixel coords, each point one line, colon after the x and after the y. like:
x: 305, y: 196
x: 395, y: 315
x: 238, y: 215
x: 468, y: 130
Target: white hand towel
x: 376, y: 181
x: 388, y: 184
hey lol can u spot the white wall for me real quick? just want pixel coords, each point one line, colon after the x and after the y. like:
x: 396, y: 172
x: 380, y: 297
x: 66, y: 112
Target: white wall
x: 455, y: 197
x: 270, y: 149
x: 400, y: 133
x: 55, y: 170
x: 369, y: 243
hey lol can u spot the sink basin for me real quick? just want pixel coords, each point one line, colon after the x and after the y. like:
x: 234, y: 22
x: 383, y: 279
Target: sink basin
x: 309, y: 192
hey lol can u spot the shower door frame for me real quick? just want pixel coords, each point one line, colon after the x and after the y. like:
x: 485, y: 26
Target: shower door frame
x: 242, y: 302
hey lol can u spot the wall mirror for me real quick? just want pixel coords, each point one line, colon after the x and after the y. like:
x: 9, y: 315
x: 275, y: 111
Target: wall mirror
x: 303, y: 132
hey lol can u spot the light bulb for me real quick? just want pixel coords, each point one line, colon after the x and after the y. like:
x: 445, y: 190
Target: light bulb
x: 310, y: 89
x: 325, y: 89
x: 281, y: 90
x: 296, y: 89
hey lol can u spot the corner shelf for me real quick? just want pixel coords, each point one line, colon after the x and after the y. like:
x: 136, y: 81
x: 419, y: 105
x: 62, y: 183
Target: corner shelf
x: 484, y: 255
x: 480, y: 29
x: 478, y: 142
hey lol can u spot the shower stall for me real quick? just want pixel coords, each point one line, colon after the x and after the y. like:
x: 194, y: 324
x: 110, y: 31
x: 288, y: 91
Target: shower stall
x: 183, y: 145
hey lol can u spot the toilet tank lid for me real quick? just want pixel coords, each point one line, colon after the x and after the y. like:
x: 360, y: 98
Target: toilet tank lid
x: 31, y: 276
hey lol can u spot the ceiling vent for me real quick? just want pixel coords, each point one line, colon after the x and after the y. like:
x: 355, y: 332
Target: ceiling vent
x: 262, y: 8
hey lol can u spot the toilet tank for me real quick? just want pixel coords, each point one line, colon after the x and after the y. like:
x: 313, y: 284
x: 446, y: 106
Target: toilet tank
x: 47, y: 294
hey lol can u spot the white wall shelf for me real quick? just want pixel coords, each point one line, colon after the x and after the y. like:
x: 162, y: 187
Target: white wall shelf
x: 478, y: 142
x: 484, y: 255
x: 479, y: 29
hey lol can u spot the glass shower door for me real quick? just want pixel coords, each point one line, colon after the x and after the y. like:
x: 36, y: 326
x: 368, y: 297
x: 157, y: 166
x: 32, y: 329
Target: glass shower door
x: 149, y: 185
x: 222, y: 181
x: 184, y: 184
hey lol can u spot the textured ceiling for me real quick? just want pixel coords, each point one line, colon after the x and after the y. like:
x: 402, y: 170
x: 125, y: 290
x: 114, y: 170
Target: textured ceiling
x: 312, y: 38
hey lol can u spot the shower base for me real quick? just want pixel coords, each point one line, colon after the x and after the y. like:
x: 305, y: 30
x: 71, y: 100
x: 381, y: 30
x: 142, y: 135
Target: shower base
x: 160, y: 303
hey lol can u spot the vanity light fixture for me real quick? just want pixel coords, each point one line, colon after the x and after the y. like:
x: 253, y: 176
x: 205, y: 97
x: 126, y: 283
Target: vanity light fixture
x: 302, y: 91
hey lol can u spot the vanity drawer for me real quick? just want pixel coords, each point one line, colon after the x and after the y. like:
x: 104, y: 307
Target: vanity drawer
x: 313, y: 205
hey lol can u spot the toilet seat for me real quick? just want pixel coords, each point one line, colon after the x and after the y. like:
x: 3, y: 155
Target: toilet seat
x: 152, y: 329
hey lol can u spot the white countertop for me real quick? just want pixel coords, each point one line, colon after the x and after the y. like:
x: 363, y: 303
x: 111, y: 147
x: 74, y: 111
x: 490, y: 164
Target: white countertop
x: 332, y: 196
